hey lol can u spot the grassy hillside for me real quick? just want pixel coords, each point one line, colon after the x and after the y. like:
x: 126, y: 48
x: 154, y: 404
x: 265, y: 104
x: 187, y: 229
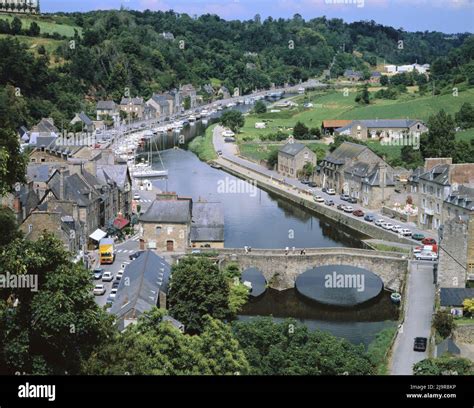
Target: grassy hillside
x: 47, y: 24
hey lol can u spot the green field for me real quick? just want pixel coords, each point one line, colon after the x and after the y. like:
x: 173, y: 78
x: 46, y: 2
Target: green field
x: 336, y: 105
x: 203, y: 147
x: 34, y: 42
x: 47, y: 25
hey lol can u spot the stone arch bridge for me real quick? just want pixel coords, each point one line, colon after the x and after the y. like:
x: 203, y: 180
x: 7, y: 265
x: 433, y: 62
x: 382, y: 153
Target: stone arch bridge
x: 281, y: 269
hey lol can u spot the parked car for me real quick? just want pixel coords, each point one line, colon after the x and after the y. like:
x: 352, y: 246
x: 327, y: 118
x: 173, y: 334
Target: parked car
x: 341, y: 207
x: 379, y: 222
x: 304, y: 181
x: 426, y: 256
x: 136, y: 196
x: 344, y: 197
x: 112, y: 295
x: 99, y: 290
x: 324, y: 190
x: 312, y: 184
x: 219, y: 152
x: 310, y: 191
x: 358, y: 213
x: 318, y: 199
x: 135, y: 255
x: 417, y: 236
x: 329, y: 202
x: 397, y: 229
x: 107, y: 276
x: 428, y: 241
x: 115, y: 284
x: 98, y: 273
x: 352, y: 200
x: 119, y: 275
x: 369, y: 218
x: 405, y: 232
x: 331, y: 191
x: 387, y: 225
x: 420, y: 344
x: 348, y: 209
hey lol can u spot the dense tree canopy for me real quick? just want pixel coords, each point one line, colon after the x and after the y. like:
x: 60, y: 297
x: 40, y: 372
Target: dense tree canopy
x: 198, y: 288
x: 289, y: 348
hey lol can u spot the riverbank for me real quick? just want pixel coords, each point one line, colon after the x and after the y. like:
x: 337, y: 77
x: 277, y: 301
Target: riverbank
x: 202, y: 146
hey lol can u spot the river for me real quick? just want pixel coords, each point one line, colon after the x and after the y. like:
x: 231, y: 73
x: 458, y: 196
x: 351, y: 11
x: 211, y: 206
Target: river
x: 259, y: 219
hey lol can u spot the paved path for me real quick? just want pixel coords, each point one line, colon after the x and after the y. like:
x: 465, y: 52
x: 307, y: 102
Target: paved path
x: 420, y: 297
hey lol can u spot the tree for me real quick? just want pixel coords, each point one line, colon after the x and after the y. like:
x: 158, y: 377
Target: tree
x: 198, y: 288
x: 155, y: 347
x: 260, y: 107
x: 444, y: 365
x: 233, y: 120
x: 300, y: 131
x: 315, y: 132
x: 384, y: 81
x: 272, y: 159
x: 52, y: 326
x: 9, y: 225
x: 411, y: 157
x: 363, y: 96
x: 289, y: 348
x: 440, y: 139
x: 443, y: 322
x: 468, y: 306
x: 34, y: 30
x: 465, y: 116
x: 187, y: 102
x: 16, y: 26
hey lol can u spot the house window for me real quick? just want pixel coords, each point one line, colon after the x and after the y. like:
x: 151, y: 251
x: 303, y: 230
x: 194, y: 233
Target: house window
x: 437, y: 208
x: 30, y: 227
x: 424, y: 188
x: 470, y: 267
x: 424, y: 202
x: 158, y: 230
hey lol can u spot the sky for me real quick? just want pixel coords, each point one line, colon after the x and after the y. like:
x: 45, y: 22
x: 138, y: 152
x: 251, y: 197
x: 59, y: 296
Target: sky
x: 448, y: 16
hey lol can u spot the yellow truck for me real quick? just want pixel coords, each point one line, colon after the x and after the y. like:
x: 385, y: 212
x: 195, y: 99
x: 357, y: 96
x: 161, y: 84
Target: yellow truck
x: 106, y: 251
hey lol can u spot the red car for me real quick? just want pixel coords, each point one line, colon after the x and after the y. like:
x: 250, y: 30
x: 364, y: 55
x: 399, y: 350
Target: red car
x: 428, y: 241
x: 358, y: 213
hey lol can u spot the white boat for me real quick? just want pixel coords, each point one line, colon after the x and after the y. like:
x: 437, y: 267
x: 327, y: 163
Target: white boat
x: 149, y: 173
x: 204, y: 112
x: 192, y: 118
x: 219, y: 108
x: 230, y: 104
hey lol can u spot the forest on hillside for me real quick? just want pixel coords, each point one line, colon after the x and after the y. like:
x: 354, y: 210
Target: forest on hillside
x: 120, y: 51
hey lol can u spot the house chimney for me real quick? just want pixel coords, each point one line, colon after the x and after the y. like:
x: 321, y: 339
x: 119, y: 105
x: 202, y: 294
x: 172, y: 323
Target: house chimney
x: 61, y: 184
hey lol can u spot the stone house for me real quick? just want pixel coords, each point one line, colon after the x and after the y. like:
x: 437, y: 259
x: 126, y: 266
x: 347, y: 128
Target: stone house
x: 439, y: 178
x: 292, y: 157
x: 329, y: 126
x: 371, y: 183
x: 163, y: 105
x: 353, y: 76
x: 459, y: 203
x: 64, y: 227
x: 207, y: 228
x: 86, y: 123
x: 388, y: 130
x: 188, y: 91
x: 118, y: 177
x: 166, y: 224
x: 356, y: 170
x: 107, y: 109
x: 133, y: 107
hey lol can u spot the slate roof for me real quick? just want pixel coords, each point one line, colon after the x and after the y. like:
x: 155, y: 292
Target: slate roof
x: 113, y: 172
x: 134, y: 101
x: 84, y: 118
x: 106, y: 105
x: 38, y: 172
x: 369, y: 174
x: 146, y: 276
x: 46, y: 125
x: 350, y: 73
x: 463, y: 197
x: 207, y: 222
x: 292, y: 148
x: 373, y: 179
x: 455, y: 296
x: 438, y: 174
x: 345, y: 151
x: 168, y: 211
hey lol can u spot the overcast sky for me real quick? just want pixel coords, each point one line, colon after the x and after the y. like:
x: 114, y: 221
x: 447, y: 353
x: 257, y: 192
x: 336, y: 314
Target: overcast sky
x: 449, y: 16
